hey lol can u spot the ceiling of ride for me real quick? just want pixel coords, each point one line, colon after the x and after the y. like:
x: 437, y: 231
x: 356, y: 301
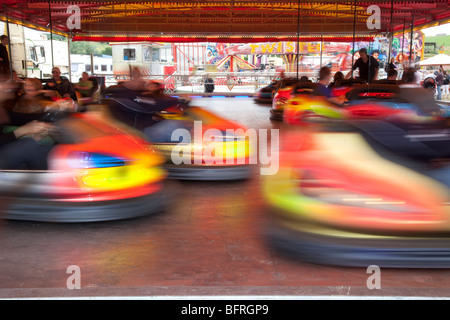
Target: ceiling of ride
x: 242, y: 21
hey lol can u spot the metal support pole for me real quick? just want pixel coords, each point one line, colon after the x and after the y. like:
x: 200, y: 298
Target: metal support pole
x: 403, y: 37
x: 51, y: 32
x: 354, y: 32
x: 321, y: 50
x: 25, y: 53
x: 411, y: 39
x: 92, y: 65
x: 9, y: 51
x: 298, y: 36
x: 70, y: 66
x: 391, y: 32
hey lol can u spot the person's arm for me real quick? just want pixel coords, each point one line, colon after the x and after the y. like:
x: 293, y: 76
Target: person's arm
x: 377, y: 68
x: 38, y: 128
x: 89, y: 85
x: 375, y: 76
x: 70, y: 92
x: 35, y: 128
x: 354, y: 67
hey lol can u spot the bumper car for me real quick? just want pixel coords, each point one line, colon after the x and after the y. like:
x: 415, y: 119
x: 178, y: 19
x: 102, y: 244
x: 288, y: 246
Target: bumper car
x: 288, y: 89
x: 265, y: 95
x: 196, y: 144
x: 341, y: 199
x: 97, y: 172
x: 346, y: 85
x: 375, y: 102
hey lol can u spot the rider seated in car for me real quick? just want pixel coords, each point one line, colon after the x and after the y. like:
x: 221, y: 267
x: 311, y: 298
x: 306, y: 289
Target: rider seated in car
x: 84, y: 87
x: 32, y: 98
x: 322, y: 88
x: 61, y: 85
x: 19, y: 144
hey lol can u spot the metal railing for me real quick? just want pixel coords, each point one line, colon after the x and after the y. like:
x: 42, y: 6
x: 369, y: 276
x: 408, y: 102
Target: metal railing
x: 228, y: 84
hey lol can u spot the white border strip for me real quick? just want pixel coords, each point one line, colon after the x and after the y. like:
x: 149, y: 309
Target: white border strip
x: 212, y: 298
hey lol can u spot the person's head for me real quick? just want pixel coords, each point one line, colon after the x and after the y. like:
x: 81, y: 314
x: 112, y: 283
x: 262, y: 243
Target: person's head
x: 154, y: 87
x: 324, y: 75
x: 304, y: 79
x: 338, y: 76
x: 4, y: 39
x: 409, y: 76
x: 56, y: 73
x: 392, y: 74
x: 392, y: 60
x: 85, y: 76
x: 375, y: 54
x: 32, y: 85
x: 363, y: 53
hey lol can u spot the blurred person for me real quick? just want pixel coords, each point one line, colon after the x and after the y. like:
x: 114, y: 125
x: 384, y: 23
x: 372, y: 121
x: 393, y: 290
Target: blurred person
x: 392, y: 74
x: 154, y: 89
x: 32, y: 98
x: 439, y: 83
x: 429, y: 83
x: 413, y: 93
x: 4, y: 59
x: 409, y: 78
x: 376, y: 54
x: 446, y: 84
x: 209, y: 84
x: 337, y: 79
x: 19, y: 142
x: 304, y: 79
x: 367, y: 65
x: 61, y: 85
x: 84, y: 86
x: 322, y: 88
x: 391, y: 65
x: 418, y: 76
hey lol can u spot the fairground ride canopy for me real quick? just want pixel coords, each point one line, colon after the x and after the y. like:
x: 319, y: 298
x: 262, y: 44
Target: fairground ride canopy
x: 225, y: 21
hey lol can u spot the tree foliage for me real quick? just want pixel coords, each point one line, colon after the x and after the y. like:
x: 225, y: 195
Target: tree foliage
x: 87, y: 47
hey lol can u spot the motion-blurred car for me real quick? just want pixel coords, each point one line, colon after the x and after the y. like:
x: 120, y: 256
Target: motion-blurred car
x: 288, y: 88
x: 380, y: 101
x: 339, y: 200
x: 224, y: 155
x: 346, y: 85
x: 97, y: 172
x: 265, y: 95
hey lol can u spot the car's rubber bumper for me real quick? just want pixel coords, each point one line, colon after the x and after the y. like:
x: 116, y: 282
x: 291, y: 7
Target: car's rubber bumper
x: 405, y: 251
x: 276, y: 114
x: 205, y: 172
x: 263, y: 100
x: 60, y: 211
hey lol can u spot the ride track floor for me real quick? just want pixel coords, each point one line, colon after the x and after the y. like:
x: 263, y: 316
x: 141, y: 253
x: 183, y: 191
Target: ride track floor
x: 210, y: 243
